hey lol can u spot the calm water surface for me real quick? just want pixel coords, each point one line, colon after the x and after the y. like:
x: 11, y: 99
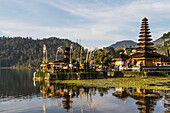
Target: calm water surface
x: 18, y: 93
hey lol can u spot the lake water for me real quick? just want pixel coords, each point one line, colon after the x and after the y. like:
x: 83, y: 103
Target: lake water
x: 18, y: 93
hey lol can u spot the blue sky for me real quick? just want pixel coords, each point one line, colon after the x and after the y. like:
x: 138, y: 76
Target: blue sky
x: 95, y: 22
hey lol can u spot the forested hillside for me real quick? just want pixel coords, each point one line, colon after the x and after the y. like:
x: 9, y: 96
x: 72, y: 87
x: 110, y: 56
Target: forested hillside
x: 163, y: 44
x: 23, y: 52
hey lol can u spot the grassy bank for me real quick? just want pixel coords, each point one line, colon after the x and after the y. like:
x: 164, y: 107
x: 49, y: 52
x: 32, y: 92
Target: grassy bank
x: 145, y: 83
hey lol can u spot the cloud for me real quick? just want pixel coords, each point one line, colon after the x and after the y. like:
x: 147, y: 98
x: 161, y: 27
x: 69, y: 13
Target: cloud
x: 120, y: 18
x: 87, y: 20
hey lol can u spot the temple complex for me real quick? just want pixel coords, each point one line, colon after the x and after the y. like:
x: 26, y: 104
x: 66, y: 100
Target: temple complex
x: 145, y: 54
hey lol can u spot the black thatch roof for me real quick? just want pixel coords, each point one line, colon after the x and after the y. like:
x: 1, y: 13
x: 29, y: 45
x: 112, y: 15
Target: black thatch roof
x: 146, y: 55
x: 145, y: 43
x: 121, y: 55
x: 144, y: 19
x: 62, y: 60
x: 145, y: 48
x: 144, y: 35
x: 146, y: 39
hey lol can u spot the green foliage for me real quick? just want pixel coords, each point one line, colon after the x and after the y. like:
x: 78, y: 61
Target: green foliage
x: 26, y: 52
x: 117, y: 51
x: 111, y: 51
x: 163, y: 44
x: 102, y: 57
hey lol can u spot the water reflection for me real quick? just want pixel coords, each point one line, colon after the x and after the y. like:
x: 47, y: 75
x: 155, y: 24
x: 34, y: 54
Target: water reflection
x: 18, y: 94
x: 15, y: 83
x: 145, y: 100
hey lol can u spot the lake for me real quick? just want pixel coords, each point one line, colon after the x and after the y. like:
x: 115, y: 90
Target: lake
x: 19, y: 93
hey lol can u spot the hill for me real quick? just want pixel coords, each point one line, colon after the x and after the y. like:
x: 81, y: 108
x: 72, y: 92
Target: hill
x: 162, y: 44
x: 121, y: 44
x: 23, y: 52
x: 165, y: 36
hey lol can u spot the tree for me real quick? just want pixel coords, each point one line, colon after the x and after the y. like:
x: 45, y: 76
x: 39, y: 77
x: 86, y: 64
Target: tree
x: 103, y: 57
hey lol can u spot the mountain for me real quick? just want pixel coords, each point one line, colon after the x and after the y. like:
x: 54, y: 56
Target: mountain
x: 165, y: 36
x: 121, y: 44
x: 24, y: 52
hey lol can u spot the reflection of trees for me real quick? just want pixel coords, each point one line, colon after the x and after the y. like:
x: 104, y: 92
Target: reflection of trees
x: 17, y: 83
x: 65, y: 92
x: 102, y: 91
x: 145, y: 103
x: 146, y: 99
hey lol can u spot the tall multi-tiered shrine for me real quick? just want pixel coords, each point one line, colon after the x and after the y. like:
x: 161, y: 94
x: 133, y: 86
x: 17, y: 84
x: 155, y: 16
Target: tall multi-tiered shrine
x: 145, y: 52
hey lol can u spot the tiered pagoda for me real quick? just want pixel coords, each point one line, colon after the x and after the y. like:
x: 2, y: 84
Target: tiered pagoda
x: 64, y: 61
x: 145, y: 52
x: 67, y: 53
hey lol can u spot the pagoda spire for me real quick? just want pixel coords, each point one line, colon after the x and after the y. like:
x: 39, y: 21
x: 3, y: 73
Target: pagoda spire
x: 145, y: 52
x: 144, y: 38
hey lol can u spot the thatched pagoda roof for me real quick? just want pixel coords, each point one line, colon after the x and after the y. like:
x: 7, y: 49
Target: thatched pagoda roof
x: 146, y: 55
x: 145, y: 43
x: 144, y: 19
x: 146, y: 39
x: 145, y: 48
x: 62, y: 60
x: 144, y: 35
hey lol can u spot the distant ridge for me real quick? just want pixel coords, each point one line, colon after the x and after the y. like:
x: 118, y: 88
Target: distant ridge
x: 121, y: 44
x: 165, y: 36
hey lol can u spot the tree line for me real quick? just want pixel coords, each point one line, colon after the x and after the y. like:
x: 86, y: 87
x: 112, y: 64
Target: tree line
x: 24, y: 52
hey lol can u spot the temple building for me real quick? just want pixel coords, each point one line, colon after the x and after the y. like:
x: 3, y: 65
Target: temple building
x: 120, y: 59
x: 145, y: 54
x: 64, y: 62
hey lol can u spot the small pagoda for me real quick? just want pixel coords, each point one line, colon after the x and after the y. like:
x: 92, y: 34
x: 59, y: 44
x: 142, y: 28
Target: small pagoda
x: 145, y: 54
x: 64, y: 61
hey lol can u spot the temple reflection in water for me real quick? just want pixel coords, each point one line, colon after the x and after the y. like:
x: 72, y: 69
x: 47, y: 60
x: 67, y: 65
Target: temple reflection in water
x: 145, y: 99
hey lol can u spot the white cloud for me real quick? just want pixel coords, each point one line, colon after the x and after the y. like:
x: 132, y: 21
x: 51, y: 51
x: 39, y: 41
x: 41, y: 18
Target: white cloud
x: 103, y: 21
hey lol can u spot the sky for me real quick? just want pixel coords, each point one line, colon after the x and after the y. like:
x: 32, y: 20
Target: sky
x: 95, y: 22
